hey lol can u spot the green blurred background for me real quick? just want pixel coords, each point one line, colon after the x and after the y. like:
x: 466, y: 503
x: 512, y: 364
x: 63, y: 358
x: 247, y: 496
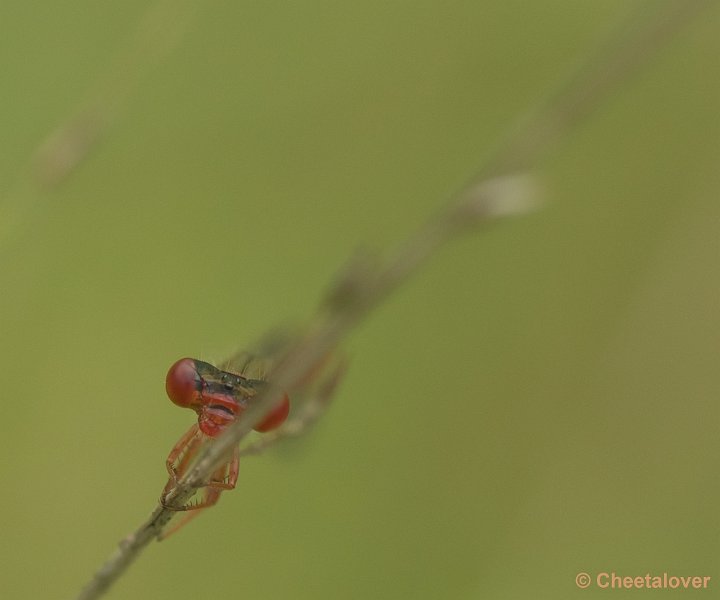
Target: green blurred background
x: 541, y: 400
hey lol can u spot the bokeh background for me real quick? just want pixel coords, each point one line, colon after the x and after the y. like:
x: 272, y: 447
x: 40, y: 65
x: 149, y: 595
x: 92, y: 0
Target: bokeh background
x: 541, y: 400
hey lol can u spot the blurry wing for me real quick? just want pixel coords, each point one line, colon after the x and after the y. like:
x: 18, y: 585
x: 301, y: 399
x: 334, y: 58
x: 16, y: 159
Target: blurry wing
x: 308, y: 405
x: 257, y: 361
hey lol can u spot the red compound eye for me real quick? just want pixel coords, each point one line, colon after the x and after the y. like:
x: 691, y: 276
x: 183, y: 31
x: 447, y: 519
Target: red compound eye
x: 276, y: 417
x: 183, y: 384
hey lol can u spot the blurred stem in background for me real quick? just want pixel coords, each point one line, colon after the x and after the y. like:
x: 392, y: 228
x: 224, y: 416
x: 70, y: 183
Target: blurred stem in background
x: 159, y: 31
